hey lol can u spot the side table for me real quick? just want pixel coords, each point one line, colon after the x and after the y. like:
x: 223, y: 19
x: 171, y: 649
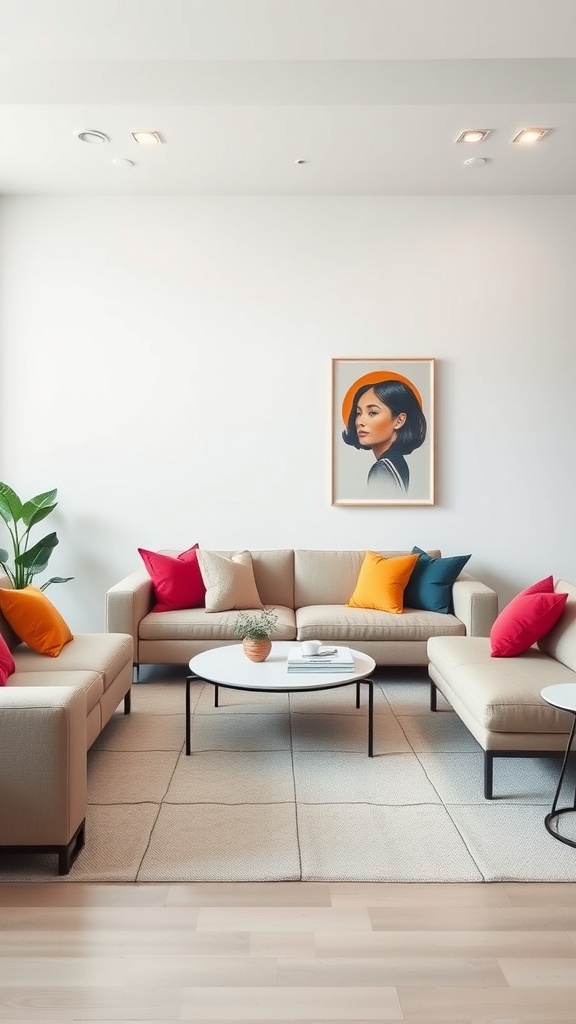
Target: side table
x: 562, y: 696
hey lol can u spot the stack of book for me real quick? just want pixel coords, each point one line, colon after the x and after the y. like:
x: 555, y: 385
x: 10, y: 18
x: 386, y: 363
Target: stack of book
x: 328, y: 659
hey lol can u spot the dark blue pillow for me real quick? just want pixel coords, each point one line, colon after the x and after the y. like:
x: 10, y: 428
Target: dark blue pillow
x: 430, y: 584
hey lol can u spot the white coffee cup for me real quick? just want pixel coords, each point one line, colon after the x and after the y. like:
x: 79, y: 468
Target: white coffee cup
x: 311, y: 647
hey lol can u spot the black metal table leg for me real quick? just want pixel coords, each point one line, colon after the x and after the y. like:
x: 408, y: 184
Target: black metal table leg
x: 370, y: 718
x: 555, y: 813
x: 215, y: 695
x: 358, y: 694
x: 188, y: 683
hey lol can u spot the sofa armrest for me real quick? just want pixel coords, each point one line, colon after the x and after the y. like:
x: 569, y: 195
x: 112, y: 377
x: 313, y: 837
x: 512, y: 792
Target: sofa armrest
x: 475, y: 604
x: 127, y: 602
x: 42, y: 765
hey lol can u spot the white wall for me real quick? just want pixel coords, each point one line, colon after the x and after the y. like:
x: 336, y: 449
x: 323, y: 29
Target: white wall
x: 167, y: 366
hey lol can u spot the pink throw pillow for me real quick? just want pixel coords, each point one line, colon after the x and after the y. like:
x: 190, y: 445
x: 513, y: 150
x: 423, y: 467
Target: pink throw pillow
x: 7, y: 666
x: 528, y: 617
x: 177, y: 581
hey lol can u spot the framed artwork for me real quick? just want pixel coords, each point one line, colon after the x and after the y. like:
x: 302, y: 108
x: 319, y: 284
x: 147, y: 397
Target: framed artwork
x: 382, y: 432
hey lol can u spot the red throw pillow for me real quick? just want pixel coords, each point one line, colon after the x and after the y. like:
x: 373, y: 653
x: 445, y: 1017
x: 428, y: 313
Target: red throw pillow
x: 528, y: 617
x: 545, y: 586
x: 7, y: 666
x: 177, y: 581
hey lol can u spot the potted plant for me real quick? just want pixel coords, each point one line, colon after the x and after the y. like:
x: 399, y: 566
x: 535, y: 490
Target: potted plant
x: 20, y: 516
x: 255, y: 629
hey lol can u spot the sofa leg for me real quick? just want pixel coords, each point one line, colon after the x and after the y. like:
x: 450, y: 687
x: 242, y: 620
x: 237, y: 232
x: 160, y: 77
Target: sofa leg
x: 128, y: 702
x: 136, y: 673
x: 67, y: 854
x: 433, y: 697
x: 488, y: 774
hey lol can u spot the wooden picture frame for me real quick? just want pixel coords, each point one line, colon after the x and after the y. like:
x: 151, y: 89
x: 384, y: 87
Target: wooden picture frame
x: 383, y: 454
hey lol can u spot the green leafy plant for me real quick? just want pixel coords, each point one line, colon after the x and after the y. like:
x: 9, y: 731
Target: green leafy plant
x: 20, y: 516
x: 255, y: 625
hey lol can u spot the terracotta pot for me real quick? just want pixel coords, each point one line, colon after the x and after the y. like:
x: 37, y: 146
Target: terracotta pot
x: 257, y: 650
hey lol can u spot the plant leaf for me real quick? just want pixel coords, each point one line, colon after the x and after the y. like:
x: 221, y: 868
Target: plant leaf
x: 39, y: 507
x: 10, y: 504
x: 35, y: 515
x: 56, y: 579
x: 4, y: 556
x: 38, y: 554
x: 36, y: 568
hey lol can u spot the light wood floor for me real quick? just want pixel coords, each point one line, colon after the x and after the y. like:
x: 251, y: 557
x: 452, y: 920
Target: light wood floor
x: 288, y: 951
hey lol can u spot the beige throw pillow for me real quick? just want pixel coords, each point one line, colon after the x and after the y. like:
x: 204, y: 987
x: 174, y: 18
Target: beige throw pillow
x: 229, y: 582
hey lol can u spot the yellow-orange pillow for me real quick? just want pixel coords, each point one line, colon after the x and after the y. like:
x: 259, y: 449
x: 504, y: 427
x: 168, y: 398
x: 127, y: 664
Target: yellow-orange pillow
x: 35, y: 620
x: 381, y: 582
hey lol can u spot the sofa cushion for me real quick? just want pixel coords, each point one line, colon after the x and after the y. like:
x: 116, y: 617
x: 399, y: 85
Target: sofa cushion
x: 92, y: 683
x: 502, y: 695
x: 327, y: 577
x: 229, y: 582
x: 7, y: 665
x: 177, y: 581
x: 197, y: 624
x: 527, y: 618
x: 35, y: 620
x: 381, y: 582
x: 340, y: 623
x: 431, y: 581
x: 104, y: 653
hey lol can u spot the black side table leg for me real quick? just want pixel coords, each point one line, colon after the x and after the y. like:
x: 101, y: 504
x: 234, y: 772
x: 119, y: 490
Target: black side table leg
x: 358, y: 695
x: 554, y: 813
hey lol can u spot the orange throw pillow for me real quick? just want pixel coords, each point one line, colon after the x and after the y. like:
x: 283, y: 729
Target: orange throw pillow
x: 382, y: 581
x: 35, y: 620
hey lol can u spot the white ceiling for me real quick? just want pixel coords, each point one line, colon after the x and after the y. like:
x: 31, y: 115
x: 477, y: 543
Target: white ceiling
x: 370, y: 93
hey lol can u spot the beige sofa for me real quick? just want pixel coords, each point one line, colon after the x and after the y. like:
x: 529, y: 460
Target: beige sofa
x: 498, y: 699
x: 52, y: 710
x: 309, y: 590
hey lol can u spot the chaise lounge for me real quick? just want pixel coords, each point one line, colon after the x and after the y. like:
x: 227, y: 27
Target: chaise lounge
x: 498, y: 699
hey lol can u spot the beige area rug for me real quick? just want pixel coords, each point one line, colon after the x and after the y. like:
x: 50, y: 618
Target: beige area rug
x: 280, y: 787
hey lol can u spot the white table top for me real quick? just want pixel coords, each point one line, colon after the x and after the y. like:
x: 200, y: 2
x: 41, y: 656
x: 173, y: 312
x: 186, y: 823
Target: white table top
x: 229, y: 666
x: 561, y: 695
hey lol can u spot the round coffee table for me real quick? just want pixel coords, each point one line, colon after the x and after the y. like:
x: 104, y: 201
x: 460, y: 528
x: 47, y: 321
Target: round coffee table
x: 229, y: 667
x: 562, y: 696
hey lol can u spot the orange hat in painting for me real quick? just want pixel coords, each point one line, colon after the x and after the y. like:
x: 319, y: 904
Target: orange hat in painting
x: 375, y: 377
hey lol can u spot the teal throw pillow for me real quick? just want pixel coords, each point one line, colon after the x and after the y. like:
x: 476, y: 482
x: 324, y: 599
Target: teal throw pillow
x: 430, y: 585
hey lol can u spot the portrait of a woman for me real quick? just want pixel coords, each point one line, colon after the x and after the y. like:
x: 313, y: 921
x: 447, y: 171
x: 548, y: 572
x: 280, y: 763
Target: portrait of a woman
x: 387, y: 418
x: 384, y: 414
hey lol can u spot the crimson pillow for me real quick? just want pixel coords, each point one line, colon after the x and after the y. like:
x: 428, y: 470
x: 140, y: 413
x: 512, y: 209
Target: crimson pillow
x: 528, y: 617
x: 545, y: 586
x: 177, y: 581
x: 7, y: 666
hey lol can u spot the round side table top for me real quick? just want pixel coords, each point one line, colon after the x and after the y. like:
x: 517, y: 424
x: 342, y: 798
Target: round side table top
x: 561, y: 695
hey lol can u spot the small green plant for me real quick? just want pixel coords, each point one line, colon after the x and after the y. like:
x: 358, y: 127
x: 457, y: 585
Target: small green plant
x: 255, y: 625
x: 20, y: 516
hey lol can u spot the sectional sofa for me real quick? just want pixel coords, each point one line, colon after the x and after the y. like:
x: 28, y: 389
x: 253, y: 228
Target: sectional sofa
x: 52, y: 710
x: 309, y: 590
x: 498, y: 699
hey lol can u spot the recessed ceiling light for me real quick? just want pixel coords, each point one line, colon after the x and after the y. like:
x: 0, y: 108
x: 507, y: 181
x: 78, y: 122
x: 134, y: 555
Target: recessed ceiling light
x: 122, y: 161
x: 146, y: 138
x: 528, y: 136
x: 91, y: 136
x: 473, y: 135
